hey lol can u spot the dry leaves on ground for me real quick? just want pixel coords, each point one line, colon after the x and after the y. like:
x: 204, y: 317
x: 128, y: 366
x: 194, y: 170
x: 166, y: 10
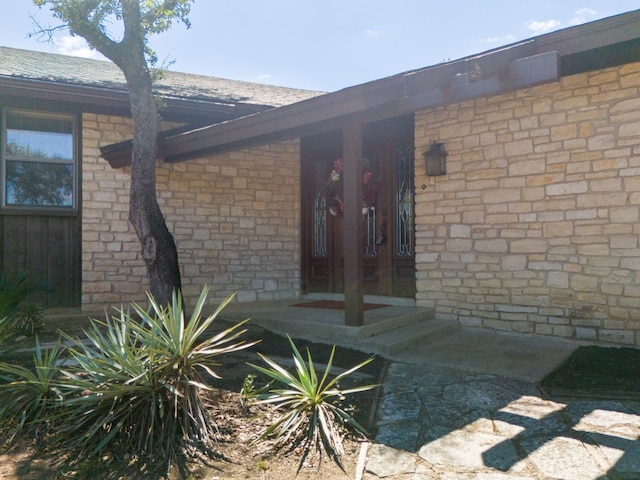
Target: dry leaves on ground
x: 238, y: 426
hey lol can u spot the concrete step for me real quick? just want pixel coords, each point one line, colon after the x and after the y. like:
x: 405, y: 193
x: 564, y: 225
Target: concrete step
x: 392, y: 318
x: 328, y: 325
x: 391, y: 343
x: 397, y: 301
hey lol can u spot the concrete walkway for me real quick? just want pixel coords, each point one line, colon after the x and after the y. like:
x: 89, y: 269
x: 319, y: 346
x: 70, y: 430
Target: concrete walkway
x: 467, y: 407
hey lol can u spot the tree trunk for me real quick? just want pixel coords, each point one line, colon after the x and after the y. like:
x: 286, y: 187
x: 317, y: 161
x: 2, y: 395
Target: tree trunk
x: 158, y: 246
x: 87, y: 20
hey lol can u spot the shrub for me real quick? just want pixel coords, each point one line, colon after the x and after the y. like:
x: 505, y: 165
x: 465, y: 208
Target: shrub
x: 6, y: 334
x: 312, y: 416
x: 19, y: 316
x: 30, y: 396
x: 137, y: 385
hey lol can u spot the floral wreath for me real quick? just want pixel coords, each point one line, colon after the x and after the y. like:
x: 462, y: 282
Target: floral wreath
x: 370, y: 187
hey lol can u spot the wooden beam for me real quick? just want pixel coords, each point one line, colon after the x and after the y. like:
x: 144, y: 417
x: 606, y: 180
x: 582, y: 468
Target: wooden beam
x: 534, y: 70
x: 284, y: 122
x: 275, y: 126
x: 519, y: 73
x: 403, y: 94
x: 526, y: 63
x: 352, y: 240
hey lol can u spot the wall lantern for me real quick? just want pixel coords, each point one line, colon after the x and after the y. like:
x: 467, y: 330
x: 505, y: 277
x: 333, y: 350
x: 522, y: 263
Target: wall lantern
x: 435, y: 160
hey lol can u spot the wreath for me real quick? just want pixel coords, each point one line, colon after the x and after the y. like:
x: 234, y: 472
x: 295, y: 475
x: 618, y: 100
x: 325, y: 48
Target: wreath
x: 370, y: 186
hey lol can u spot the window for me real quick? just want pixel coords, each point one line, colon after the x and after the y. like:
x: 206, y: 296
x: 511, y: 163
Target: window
x: 38, y: 167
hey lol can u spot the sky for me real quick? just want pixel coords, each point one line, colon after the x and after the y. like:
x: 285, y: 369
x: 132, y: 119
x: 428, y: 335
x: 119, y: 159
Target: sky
x: 327, y: 45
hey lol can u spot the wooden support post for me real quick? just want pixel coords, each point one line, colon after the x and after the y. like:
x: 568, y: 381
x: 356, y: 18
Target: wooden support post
x: 352, y: 197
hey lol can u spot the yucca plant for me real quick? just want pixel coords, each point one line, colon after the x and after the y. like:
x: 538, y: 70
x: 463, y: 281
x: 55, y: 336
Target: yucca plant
x: 21, y: 316
x: 140, y: 383
x: 6, y: 336
x: 311, y: 413
x: 28, y: 319
x: 30, y: 395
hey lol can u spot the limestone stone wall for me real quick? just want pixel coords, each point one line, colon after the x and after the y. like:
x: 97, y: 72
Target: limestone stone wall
x: 235, y: 219
x: 535, y: 226
x: 113, y: 271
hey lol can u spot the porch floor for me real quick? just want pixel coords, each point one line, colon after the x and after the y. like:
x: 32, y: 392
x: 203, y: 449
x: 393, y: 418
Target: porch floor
x: 387, y: 330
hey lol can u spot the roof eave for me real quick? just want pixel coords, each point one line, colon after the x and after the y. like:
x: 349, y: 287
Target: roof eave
x: 392, y: 96
x: 116, y: 100
x: 531, y: 62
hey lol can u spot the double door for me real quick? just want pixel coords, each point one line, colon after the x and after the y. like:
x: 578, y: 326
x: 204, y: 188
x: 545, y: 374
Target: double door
x: 387, y: 210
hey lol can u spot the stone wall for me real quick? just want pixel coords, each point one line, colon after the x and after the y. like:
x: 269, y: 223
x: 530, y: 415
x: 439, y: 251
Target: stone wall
x: 235, y: 219
x: 535, y: 226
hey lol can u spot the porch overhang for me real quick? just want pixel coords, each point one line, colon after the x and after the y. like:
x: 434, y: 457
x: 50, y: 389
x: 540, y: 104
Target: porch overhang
x: 386, y: 98
x: 532, y: 62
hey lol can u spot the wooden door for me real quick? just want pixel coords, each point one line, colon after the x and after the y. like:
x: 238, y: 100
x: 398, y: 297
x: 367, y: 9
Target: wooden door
x: 387, y: 210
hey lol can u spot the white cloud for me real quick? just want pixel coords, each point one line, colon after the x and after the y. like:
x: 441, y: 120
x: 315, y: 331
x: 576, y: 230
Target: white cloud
x: 265, y: 76
x: 583, y: 15
x: 501, y: 40
x: 372, y: 33
x: 539, y: 28
x: 74, y: 46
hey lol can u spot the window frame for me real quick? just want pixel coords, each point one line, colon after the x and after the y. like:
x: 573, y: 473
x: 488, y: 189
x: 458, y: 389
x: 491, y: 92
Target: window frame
x: 6, y: 208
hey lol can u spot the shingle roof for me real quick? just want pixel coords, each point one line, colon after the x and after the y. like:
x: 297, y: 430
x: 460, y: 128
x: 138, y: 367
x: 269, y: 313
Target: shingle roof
x: 64, y: 69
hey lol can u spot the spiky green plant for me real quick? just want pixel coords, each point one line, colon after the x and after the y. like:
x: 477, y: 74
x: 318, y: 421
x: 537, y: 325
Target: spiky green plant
x: 312, y: 416
x: 28, y: 319
x: 13, y: 291
x: 140, y: 383
x: 30, y: 396
x: 6, y: 334
x: 20, y: 317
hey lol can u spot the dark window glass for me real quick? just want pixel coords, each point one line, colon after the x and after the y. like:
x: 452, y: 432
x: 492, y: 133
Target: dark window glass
x: 39, y: 160
x: 35, y: 183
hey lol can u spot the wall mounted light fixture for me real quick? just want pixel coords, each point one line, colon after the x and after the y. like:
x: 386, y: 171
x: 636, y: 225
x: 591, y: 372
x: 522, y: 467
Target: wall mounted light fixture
x: 435, y: 160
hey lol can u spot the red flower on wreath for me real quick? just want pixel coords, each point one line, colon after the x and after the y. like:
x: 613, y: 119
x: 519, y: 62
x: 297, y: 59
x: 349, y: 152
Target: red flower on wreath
x: 370, y: 187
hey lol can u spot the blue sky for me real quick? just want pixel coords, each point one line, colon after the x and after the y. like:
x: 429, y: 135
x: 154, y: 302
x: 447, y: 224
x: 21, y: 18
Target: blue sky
x: 330, y: 44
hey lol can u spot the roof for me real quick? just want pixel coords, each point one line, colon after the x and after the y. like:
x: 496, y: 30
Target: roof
x: 94, y: 77
x: 611, y: 41
x: 235, y: 114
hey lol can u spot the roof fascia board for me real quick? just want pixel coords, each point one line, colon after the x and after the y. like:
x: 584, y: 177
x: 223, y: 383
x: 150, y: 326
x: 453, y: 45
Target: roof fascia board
x: 118, y: 100
x: 283, y: 123
x: 63, y: 92
x: 325, y: 107
x: 589, y: 36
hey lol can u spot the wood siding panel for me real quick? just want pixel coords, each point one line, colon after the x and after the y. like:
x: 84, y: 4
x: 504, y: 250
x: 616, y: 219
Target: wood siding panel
x: 47, y: 249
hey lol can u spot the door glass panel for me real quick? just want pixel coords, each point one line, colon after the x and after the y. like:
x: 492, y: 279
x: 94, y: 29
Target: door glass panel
x: 369, y: 228
x: 320, y: 225
x: 404, y: 202
x: 320, y: 210
x: 371, y: 182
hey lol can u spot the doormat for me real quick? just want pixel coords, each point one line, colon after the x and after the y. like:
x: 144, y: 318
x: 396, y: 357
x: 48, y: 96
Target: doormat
x: 336, y: 305
x: 597, y: 372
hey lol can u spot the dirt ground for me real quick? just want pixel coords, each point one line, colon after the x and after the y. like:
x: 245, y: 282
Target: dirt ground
x: 238, y: 427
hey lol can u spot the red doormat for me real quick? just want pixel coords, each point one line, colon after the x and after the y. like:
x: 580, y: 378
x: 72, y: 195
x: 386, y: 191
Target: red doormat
x: 336, y: 305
